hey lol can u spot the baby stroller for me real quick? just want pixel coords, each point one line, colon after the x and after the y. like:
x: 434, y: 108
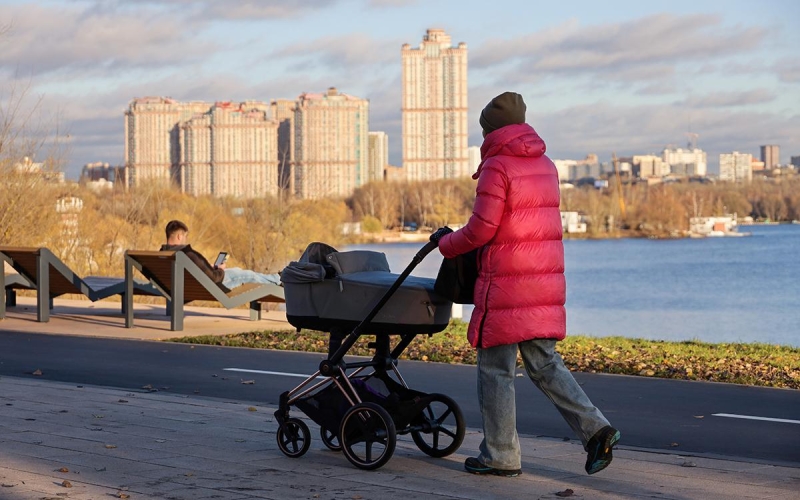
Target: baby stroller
x: 362, y: 406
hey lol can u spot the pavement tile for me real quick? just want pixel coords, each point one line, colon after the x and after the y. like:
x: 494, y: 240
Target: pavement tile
x: 179, y: 447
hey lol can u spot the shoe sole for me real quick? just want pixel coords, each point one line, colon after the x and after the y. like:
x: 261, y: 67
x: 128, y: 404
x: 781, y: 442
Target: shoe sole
x: 601, y: 463
x: 486, y: 470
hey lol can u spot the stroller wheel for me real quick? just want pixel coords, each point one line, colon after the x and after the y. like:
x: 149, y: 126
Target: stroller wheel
x: 368, y: 436
x: 442, y: 427
x: 330, y: 439
x: 294, y: 438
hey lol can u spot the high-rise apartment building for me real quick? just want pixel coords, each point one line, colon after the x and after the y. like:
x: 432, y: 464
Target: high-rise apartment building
x: 231, y: 150
x: 282, y: 111
x: 434, y: 108
x: 474, y: 158
x: 690, y: 162
x: 650, y: 166
x: 736, y: 166
x: 771, y: 156
x: 378, y: 156
x: 330, y: 144
x: 151, y: 138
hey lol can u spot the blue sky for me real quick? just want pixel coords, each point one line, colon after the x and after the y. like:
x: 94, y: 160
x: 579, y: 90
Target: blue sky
x: 599, y: 77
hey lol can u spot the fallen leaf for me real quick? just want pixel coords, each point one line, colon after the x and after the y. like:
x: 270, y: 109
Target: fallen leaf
x: 566, y: 493
x: 66, y: 484
x: 111, y: 446
x: 38, y: 373
x: 248, y: 382
x: 63, y: 469
x: 252, y: 408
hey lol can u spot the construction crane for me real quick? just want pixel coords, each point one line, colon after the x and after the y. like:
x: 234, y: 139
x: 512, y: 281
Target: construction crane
x: 692, y: 144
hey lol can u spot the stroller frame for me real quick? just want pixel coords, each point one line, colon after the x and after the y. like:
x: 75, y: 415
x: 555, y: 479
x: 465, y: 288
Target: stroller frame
x: 354, y: 416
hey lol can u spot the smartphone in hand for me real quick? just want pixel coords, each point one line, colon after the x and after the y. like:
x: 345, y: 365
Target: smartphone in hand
x: 221, y: 258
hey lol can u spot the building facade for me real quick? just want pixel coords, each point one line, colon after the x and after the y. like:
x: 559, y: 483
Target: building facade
x: 650, y: 166
x: 736, y: 167
x: 378, y: 156
x: 282, y: 111
x: 686, y: 162
x: 771, y: 156
x: 330, y: 144
x: 151, y: 138
x: 231, y: 150
x: 434, y: 108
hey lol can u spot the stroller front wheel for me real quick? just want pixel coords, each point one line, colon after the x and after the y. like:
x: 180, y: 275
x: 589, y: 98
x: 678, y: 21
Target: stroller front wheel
x: 442, y: 425
x: 294, y: 438
x: 330, y: 439
x: 368, y: 436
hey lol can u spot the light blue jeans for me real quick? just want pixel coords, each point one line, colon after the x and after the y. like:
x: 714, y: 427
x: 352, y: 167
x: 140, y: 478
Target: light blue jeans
x: 497, y: 400
x: 236, y: 276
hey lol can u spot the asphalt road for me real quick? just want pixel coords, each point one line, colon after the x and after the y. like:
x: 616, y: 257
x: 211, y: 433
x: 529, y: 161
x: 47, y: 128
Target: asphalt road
x: 680, y: 417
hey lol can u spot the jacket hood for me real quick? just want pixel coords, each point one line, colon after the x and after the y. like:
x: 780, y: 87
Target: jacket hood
x: 512, y: 140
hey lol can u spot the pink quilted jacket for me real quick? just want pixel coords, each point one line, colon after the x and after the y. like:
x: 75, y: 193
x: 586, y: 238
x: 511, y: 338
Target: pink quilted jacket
x: 516, y: 222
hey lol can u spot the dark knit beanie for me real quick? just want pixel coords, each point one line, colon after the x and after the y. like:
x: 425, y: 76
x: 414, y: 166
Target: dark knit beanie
x: 506, y: 109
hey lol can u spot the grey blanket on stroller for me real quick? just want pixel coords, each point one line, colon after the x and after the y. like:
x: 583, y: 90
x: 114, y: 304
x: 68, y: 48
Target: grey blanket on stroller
x: 327, y: 289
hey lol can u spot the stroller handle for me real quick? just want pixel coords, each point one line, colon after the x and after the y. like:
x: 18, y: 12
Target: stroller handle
x: 423, y: 252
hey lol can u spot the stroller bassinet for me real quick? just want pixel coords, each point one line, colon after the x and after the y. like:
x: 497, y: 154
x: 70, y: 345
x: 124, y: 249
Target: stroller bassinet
x: 327, y: 289
x: 360, y: 412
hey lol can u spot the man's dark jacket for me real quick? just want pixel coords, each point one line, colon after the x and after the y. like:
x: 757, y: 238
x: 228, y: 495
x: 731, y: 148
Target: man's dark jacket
x: 216, y: 275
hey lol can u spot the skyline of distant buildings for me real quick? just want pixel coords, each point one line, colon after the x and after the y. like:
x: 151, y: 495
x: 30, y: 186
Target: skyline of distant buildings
x: 320, y: 145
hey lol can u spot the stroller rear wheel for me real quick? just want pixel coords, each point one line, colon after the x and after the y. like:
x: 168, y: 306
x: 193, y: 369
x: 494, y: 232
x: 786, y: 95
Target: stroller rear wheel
x: 330, y: 439
x: 294, y: 438
x: 442, y: 427
x: 368, y: 436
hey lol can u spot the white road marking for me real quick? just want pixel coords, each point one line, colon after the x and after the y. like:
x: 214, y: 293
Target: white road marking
x: 283, y: 374
x: 750, y: 417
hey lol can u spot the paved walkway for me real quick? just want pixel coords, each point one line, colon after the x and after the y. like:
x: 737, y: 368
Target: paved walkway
x: 61, y: 440
x: 104, y: 319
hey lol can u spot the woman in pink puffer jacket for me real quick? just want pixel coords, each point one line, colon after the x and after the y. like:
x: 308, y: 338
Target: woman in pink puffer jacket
x: 520, y: 291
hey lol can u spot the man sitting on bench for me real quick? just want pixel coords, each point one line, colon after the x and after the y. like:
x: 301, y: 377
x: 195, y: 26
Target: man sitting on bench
x: 177, y: 239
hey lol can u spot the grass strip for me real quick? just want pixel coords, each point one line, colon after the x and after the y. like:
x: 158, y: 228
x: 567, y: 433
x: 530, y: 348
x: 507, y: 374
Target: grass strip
x: 749, y: 364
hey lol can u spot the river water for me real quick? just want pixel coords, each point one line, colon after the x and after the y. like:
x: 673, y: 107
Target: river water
x: 714, y: 289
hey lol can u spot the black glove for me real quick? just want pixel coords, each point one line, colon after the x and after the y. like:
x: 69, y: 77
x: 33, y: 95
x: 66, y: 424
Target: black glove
x: 436, y: 236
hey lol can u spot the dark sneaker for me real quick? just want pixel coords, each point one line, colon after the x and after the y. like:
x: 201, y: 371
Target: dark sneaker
x: 599, y: 448
x: 474, y: 466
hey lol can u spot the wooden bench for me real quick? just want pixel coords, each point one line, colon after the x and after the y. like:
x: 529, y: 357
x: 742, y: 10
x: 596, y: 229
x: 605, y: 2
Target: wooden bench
x: 50, y: 277
x: 182, y: 281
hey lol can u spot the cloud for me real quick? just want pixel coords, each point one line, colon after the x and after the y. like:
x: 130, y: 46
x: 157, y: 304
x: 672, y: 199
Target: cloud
x: 729, y: 99
x: 232, y: 10
x: 43, y: 40
x: 653, y: 42
x: 378, y: 4
x: 345, y: 53
x: 788, y: 70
